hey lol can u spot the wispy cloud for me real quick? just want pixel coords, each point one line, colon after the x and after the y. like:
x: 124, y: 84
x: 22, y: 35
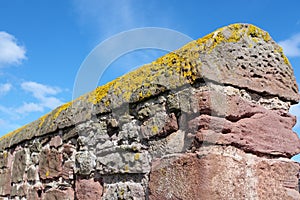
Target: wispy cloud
x: 30, y: 107
x: 109, y: 16
x: 39, y: 90
x: 44, y: 95
x: 291, y: 46
x: 39, y: 98
x: 5, y: 88
x: 11, y: 53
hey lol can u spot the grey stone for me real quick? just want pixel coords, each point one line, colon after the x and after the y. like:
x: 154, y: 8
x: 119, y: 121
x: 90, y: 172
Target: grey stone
x: 85, y: 162
x: 3, y: 159
x: 5, y: 179
x: 125, y: 190
x: 32, y: 173
x: 122, y: 159
x: 19, y: 165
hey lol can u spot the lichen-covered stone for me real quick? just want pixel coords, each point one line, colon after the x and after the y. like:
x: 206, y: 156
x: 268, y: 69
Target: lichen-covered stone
x: 240, y: 55
x: 85, y: 162
x: 207, y: 121
x: 125, y: 190
x: 122, y: 159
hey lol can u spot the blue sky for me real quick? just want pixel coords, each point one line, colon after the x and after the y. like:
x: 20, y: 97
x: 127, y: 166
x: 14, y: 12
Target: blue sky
x: 44, y: 42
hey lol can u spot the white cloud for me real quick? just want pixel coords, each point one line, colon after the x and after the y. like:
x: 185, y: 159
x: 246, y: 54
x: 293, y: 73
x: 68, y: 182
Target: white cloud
x: 5, y: 88
x: 291, y: 46
x: 38, y: 90
x: 44, y: 94
x: 30, y: 107
x: 11, y: 53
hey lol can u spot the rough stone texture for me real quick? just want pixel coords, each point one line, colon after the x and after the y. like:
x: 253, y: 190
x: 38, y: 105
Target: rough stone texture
x: 207, y: 121
x: 5, y: 179
x: 88, y: 189
x: 67, y: 194
x: 223, y: 173
x: 19, y: 165
x: 248, y: 126
x: 50, y: 164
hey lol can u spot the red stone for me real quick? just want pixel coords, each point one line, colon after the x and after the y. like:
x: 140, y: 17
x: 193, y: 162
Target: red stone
x: 50, y: 165
x: 88, y: 189
x: 250, y: 127
x: 55, y: 141
x: 67, y: 194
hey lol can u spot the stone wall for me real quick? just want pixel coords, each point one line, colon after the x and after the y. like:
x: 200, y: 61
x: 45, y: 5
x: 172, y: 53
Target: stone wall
x: 207, y: 121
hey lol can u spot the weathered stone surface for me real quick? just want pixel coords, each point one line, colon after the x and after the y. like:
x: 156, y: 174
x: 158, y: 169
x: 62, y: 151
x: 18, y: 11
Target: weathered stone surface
x: 19, y: 190
x: 212, y: 115
x: 285, y: 176
x: 50, y: 164
x: 159, y: 125
x: 248, y: 126
x: 240, y: 55
x: 55, y: 141
x: 3, y: 159
x: 217, y: 172
x: 88, y: 189
x: 19, y: 165
x: 53, y: 194
x: 125, y: 190
x: 93, y: 133
x: 5, y: 179
x: 85, y: 162
x: 32, y: 173
x: 68, y: 169
x: 122, y: 159
x: 173, y: 143
x: 34, y: 193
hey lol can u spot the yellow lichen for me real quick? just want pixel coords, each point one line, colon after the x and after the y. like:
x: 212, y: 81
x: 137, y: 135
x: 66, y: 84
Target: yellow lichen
x: 60, y: 109
x: 155, y: 129
x: 280, y: 51
x: 11, y: 134
x: 42, y: 120
x: 238, y: 31
x: 182, y: 64
x: 126, y: 168
x: 100, y: 92
x: 5, y: 154
x: 137, y: 156
x: 47, y: 173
